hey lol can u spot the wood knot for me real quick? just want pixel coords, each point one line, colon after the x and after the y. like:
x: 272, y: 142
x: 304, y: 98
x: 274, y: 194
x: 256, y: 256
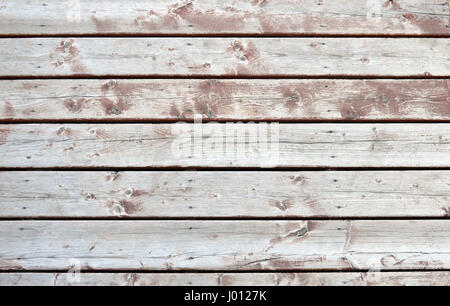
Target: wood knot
x: 74, y: 108
x: 300, y: 233
x: 112, y: 176
x: 351, y: 114
x: 109, y: 85
x: 115, y: 110
x: 90, y: 197
x: 281, y: 205
x: 112, y: 83
x: 446, y: 211
x: 384, y: 99
x: 298, y: 178
x: 237, y: 46
x: 294, y: 98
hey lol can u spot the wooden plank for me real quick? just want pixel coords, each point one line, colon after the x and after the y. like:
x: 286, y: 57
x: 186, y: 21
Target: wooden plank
x: 228, y: 279
x: 225, y: 194
x: 224, y: 145
x: 308, y: 17
x: 225, y: 57
x: 225, y: 99
x: 224, y: 245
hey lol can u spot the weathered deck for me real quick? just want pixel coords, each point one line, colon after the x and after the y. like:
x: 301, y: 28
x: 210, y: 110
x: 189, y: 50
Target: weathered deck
x: 355, y: 93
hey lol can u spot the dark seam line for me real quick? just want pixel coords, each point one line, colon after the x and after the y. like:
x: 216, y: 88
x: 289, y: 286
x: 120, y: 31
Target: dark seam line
x: 236, y: 219
x: 225, y: 77
x: 127, y: 271
x: 293, y: 77
x: 225, y: 35
x: 221, y: 120
x: 224, y: 169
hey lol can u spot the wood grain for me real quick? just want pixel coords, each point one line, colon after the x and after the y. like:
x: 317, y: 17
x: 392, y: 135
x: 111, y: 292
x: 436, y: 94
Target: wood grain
x: 308, y: 17
x: 224, y: 245
x: 274, y: 61
x: 269, y: 57
x: 215, y: 194
x: 224, y: 145
x: 224, y: 100
x: 229, y: 279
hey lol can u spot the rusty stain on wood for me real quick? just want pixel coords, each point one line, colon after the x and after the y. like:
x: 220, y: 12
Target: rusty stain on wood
x: 9, y: 265
x: 185, y: 17
x: 300, y: 145
x: 70, y: 53
x: 227, y: 61
x: 250, y: 194
x: 268, y: 57
x: 123, y: 207
x: 4, y: 135
x: 241, y: 245
x: 423, y: 278
x: 225, y: 99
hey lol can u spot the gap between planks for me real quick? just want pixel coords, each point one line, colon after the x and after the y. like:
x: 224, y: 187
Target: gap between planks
x: 224, y: 77
x: 162, y: 121
x: 200, y: 272
x: 134, y: 218
x: 226, y: 35
x: 223, y: 169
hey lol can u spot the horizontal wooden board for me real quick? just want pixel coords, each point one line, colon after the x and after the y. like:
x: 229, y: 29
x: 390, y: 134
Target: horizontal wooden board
x: 225, y: 57
x: 228, y: 279
x: 416, y: 17
x: 224, y: 245
x: 224, y: 145
x: 225, y: 194
x: 225, y: 99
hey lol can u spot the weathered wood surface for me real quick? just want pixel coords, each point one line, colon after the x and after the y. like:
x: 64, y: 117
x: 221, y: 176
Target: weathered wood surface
x: 224, y: 145
x: 228, y: 279
x: 380, y: 17
x: 225, y: 57
x: 225, y: 194
x: 224, y: 245
x: 160, y: 99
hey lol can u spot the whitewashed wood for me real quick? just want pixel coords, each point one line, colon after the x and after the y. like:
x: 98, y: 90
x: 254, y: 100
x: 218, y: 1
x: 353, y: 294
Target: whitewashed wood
x: 228, y: 279
x: 226, y: 16
x: 225, y: 194
x: 161, y: 145
x: 225, y: 57
x: 224, y: 245
x: 225, y: 99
